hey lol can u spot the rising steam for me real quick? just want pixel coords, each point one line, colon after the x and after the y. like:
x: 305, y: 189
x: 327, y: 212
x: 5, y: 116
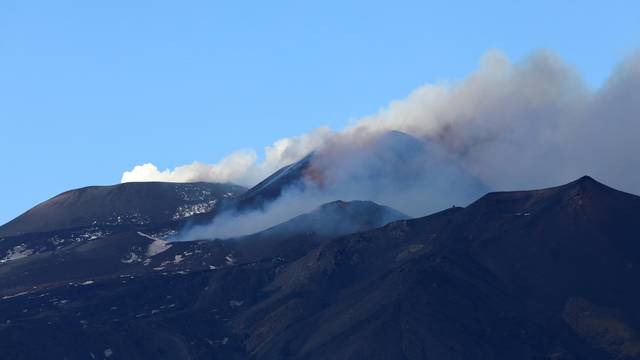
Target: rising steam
x: 507, y: 126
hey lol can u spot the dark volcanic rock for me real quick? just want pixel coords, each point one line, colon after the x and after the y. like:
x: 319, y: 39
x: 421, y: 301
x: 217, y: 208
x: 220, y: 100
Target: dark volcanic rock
x: 520, y: 275
x: 297, y: 236
x: 49, y: 258
x: 128, y: 203
x: 269, y: 189
x: 112, y: 290
x: 545, y: 274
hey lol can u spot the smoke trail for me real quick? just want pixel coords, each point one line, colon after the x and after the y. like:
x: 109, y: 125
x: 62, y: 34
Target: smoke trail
x: 528, y: 124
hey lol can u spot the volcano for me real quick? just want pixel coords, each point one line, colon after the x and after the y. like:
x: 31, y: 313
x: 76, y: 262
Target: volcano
x: 541, y: 274
x: 372, y: 171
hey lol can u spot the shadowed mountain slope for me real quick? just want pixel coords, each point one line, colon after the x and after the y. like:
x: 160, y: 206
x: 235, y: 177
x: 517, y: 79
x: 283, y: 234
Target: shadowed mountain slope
x: 128, y: 203
x: 526, y: 275
x: 292, y: 176
x: 98, y: 252
x: 297, y: 236
x: 544, y: 274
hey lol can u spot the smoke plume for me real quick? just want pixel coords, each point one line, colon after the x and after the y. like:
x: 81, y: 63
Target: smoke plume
x: 241, y: 167
x: 529, y: 124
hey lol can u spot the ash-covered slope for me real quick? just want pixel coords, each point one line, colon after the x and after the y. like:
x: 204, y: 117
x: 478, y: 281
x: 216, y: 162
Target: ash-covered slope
x: 545, y: 274
x: 292, y: 176
x: 128, y: 203
x: 45, y: 258
x: 97, y: 292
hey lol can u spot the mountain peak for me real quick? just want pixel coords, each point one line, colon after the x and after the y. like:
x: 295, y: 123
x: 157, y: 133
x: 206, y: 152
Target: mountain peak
x: 586, y: 179
x: 584, y: 191
x: 585, y: 184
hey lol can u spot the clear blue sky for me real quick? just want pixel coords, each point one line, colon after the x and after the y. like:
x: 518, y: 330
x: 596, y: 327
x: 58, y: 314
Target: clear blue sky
x: 89, y: 89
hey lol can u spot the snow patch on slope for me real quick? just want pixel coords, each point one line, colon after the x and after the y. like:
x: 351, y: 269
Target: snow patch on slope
x: 186, y: 211
x: 157, y: 246
x: 18, y: 252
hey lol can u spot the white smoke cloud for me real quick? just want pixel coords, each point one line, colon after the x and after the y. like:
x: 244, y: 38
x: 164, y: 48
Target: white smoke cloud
x: 241, y: 167
x: 529, y: 124
x: 526, y: 124
x: 293, y: 202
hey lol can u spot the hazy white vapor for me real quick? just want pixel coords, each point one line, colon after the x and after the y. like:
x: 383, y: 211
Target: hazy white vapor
x: 527, y: 124
x: 231, y: 168
x: 241, y: 167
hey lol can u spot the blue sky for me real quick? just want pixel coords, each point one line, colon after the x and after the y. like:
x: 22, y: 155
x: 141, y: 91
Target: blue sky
x: 88, y: 89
